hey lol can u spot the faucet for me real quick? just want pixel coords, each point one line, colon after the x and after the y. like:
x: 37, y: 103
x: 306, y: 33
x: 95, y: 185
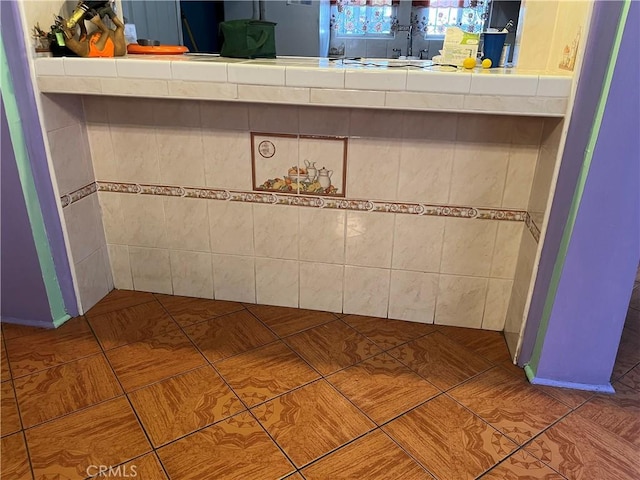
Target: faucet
x: 409, y: 30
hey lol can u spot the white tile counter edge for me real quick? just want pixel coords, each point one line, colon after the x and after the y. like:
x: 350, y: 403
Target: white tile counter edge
x: 498, y: 91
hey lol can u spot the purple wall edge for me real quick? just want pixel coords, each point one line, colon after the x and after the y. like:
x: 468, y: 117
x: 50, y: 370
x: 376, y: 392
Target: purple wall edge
x: 24, y: 297
x: 597, y: 280
x: 604, y: 22
x: 25, y: 97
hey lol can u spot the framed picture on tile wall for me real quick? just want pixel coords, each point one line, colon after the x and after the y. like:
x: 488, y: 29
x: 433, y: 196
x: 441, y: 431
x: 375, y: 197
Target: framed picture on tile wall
x: 299, y: 164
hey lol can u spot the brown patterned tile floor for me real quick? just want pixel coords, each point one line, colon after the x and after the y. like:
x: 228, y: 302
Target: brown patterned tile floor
x: 311, y: 421
x: 513, y: 406
x: 65, y: 388
x: 629, y: 350
x: 142, y: 363
x: 448, y: 440
x: 234, y: 448
x: 131, y: 324
x: 382, y: 387
x: 183, y: 404
x: 229, y: 335
x: 378, y: 457
x: 187, y: 310
x: 155, y: 384
x: 295, y: 476
x: 105, y: 434
x: 489, y: 345
x: 287, y: 321
x: 332, y: 346
x: 9, y: 416
x: 14, y: 458
x: 520, y: 466
x: 10, y: 330
x: 119, y: 299
x: 263, y: 373
x: 618, y: 414
x: 581, y: 449
x: 38, y: 349
x: 4, y: 362
x: 571, y: 398
x: 632, y: 378
x: 387, y: 333
x: 440, y: 360
x: 146, y: 467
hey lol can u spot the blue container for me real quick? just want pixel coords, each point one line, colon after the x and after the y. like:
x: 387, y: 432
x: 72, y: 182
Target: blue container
x: 492, y: 48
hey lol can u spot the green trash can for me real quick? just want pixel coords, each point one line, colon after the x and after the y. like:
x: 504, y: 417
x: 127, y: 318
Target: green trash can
x: 248, y: 39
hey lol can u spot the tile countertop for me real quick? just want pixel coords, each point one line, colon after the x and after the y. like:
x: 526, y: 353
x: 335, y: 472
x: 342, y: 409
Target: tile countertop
x: 366, y: 83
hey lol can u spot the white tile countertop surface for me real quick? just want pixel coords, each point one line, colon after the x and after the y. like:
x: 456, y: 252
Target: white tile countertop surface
x: 374, y: 83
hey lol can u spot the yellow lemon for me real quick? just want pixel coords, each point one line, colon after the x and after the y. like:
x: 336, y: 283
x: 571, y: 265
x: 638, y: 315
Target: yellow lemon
x: 486, y: 63
x: 469, y: 62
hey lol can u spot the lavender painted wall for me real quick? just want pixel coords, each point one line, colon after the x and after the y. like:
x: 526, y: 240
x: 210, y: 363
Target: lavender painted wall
x: 22, y: 288
x: 602, y: 31
x: 595, y: 287
x: 25, y: 97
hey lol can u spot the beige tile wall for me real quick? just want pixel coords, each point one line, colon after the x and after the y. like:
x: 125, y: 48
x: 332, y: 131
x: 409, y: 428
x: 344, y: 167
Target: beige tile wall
x: 64, y: 123
x: 548, y: 26
x: 516, y: 310
x: 448, y: 270
x: 545, y: 169
x: 539, y: 199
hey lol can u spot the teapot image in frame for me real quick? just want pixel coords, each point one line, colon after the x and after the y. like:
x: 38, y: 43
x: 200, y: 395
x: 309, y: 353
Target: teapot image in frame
x: 312, y: 171
x: 324, y: 177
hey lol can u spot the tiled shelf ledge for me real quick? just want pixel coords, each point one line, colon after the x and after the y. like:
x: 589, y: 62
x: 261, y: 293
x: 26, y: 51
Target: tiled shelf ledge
x: 309, y: 81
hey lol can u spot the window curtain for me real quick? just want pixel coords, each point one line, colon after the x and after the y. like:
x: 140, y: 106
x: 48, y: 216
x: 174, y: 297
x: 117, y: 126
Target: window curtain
x: 433, y: 17
x: 362, y: 17
x: 440, y: 3
x: 364, y: 3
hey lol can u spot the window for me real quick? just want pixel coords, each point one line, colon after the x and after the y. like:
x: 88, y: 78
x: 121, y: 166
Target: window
x: 363, y: 18
x: 432, y: 17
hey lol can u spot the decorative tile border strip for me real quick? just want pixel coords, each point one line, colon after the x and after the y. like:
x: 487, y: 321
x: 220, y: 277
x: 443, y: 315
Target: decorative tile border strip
x: 79, y: 194
x: 307, y: 201
x: 533, y: 228
x: 316, y: 201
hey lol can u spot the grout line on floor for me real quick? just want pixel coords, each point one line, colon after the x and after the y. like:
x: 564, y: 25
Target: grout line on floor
x: 295, y: 467
x: 447, y: 392
x: 519, y: 449
x: 210, y: 363
x: 26, y: 446
x: 326, y: 454
x: 113, y: 371
x: 247, y: 409
x: 282, y: 337
x: 331, y: 385
x: 162, y: 466
x: 152, y: 299
x: 64, y: 415
x: 407, y: 452
x: 13, y: 377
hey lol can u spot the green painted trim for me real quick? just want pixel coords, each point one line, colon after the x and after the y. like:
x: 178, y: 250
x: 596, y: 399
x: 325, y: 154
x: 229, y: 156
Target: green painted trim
x: 59, y: 321
x: 43, y: 249
x: 528, y: 371
x: 532, y: 367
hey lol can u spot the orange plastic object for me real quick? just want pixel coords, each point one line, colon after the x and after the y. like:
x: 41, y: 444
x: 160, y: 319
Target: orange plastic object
x: 134, y: 48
